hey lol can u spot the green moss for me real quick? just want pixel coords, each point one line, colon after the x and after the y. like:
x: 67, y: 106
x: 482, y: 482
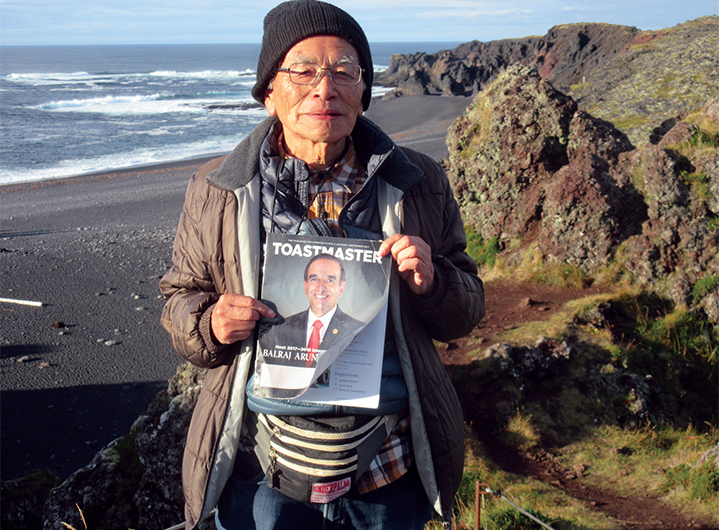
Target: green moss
x: 699, y: 183
x: 37, y: 480
x: 704, y: 140
x: 666, y: 88
x: 470, y: 477
x: 578, y: 87
x: 704, y: 286
x: 685, y: 334
x: 27, y: 496
x: 131, y: 466
x: 703, y: 122
x: 470, y: 141
x: 629, y: 122
x: 562, y: 275
x: 672, y: 349
x: 120, y: 509
x: 467, y: 154
x: 480, y: 113
x: 481, y: 251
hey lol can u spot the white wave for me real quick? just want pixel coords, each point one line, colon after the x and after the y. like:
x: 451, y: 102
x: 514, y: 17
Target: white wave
x: 85, y: 78
x: 50, y: 78
x: 379, y: 91
x: 175, y: 130
x: 203, y: 75
x: 137, y: 157
x: 139, y: 105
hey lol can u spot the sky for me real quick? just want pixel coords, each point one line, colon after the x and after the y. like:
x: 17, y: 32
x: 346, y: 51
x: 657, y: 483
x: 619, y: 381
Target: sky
x: 58, y: 22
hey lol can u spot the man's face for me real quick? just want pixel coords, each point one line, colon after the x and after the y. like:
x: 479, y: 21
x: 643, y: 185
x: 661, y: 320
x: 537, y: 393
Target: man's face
x: 324, y: 113
x: 323, y: 286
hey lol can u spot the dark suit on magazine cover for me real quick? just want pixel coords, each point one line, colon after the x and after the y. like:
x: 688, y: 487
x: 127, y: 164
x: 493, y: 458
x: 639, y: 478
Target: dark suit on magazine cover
x: 293, y: 331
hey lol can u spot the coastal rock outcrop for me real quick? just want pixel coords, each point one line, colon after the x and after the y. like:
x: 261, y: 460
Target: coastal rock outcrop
x: 641, y: 81
x: 527, y: 164
x: 562, y: 56
x: 532, y: 171
x: 463, y: 71
x: 515, y: 376
x: 135, y: 481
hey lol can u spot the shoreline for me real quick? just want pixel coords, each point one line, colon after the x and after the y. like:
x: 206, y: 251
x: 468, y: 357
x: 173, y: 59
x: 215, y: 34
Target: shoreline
x: 396, y: 116
x: 175, y: 165
x: 79, y: 370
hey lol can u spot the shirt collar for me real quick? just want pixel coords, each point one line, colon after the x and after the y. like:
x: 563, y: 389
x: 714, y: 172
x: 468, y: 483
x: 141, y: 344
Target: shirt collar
x: 325, y: 319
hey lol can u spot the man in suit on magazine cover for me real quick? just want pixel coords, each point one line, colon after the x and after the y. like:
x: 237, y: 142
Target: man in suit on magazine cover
x: 319, y: 326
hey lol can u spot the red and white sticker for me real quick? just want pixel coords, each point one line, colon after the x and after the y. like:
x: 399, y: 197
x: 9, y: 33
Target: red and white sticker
x: 327, y: 492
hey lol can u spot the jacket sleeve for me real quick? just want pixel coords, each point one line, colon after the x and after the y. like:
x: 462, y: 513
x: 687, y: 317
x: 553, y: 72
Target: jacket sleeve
x: 196, y: 279
x: 456, y: 304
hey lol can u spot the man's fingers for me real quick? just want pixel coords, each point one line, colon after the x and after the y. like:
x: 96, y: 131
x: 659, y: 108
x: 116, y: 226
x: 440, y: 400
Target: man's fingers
x: 235, y: 315
x: 407, y: 251
x: 386, y: 246
x: 241, y: 314
x: 414, y: 260
x: 242, y: 306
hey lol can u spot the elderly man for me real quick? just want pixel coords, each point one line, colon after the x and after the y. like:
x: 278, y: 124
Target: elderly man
x: 317, y: 167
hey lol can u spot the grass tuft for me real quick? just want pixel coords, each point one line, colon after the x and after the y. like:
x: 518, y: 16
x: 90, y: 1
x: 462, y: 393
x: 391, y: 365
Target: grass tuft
x: 82, y: 518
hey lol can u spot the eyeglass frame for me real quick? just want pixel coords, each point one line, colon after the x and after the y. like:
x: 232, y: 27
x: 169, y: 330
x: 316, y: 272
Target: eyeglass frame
x: 288, y: 70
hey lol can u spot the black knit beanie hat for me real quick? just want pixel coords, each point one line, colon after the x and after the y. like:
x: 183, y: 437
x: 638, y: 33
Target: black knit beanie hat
x: 290, y: 22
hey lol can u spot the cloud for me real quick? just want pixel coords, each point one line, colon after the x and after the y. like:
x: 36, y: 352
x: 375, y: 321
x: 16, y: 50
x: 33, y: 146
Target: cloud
x: 467, y: 13
x: 130, y: 21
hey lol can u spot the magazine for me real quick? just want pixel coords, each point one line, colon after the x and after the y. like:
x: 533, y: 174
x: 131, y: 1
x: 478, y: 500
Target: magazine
x: 326, y: 344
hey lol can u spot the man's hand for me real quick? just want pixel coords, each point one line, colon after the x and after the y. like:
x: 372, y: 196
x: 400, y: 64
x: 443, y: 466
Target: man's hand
x: 234, y: 316
x: 414, y: 260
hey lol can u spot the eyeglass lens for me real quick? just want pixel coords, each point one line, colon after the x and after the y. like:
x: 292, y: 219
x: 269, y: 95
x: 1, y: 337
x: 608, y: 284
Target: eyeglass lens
x: 310, y: 73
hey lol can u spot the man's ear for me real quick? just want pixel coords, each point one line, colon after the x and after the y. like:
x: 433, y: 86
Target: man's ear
x: 270, y: 103
x: 361, y: 110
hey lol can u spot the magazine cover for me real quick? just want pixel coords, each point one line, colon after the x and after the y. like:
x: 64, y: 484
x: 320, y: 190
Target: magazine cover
x: 326, y: 344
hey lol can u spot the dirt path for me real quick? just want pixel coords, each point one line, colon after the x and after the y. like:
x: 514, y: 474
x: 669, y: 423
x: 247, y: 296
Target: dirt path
x: 508, y: 304
x: 632, y: 512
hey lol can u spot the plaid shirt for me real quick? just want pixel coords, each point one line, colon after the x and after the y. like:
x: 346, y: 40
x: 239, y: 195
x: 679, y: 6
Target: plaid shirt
x: 336, y: 187
x: 331, y: 191
x: 392, y: 461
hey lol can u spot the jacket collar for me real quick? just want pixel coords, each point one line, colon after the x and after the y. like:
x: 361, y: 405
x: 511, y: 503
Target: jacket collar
x: 374, y: 148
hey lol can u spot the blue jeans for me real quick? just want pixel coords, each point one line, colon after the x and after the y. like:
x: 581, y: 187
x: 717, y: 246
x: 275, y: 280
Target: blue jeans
x: 401, y: 505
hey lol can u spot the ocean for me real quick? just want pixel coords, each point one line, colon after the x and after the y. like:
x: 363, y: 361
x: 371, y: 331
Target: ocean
x: 73, y: 110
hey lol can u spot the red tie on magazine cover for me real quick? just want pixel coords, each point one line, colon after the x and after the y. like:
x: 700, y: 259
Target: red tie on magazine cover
x: 314, y: 344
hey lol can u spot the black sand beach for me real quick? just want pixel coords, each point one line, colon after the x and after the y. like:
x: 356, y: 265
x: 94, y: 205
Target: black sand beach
x: 79, y: 370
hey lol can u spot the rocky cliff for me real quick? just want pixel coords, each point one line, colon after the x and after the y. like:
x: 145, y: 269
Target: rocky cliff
x: 133, y: 482
x: 563, y: 56
x: 533, y: 171
x: 641, y: 81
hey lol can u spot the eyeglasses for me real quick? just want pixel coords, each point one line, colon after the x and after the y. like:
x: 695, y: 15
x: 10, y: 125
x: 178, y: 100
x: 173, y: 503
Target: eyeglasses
x: 343, y: 74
